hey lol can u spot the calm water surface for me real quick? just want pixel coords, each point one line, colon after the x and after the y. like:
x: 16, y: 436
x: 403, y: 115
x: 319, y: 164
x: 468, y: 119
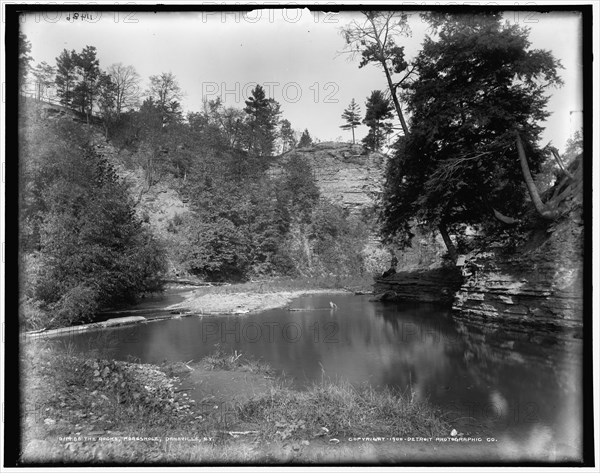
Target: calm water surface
x: 502, y: 384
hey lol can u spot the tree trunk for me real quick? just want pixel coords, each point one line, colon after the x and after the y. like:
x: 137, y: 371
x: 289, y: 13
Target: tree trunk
x: 395, y: 99
x: 388, y: 76
x: 560, y: 163
x: 353, y: 142
x: 531, y: 187
x: 447, y: 241
x: 504, y: 218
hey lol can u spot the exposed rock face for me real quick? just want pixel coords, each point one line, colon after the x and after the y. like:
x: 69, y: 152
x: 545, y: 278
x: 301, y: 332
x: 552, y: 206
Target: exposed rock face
x: 425, y: 252
x: 344, y: 173
x: 351, y: 177
x: 156, y: 205
x: 540, y: 284
x: 433, y: 286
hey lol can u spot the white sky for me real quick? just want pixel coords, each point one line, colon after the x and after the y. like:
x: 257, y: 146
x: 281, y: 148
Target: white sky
x: 225, y: 54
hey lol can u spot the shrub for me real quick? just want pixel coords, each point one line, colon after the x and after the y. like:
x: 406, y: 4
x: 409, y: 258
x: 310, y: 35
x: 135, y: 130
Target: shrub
x: 78, y: 304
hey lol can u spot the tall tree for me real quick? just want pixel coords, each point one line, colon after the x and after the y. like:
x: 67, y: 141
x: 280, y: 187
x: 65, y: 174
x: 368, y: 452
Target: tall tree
x: 379, y: 110
x: 24, y: 59
x: 263, y: 117
x: 216, y: 127
x: 233, y: 126
x: 150, y: 132
x: 305, y: 139
x: 86, y: 89
x: 166, y: 94
x: 476, y: 106
x: 286, y: 133
x: 374, y: 36
x: 126, y: 82
x: 43, y: 74
x: 352, y: 117
x: 66, y: 76
x: 107, y: 102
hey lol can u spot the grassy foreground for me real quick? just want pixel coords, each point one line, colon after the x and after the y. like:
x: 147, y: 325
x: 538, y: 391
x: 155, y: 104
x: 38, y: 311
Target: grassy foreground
x: 79, y: 410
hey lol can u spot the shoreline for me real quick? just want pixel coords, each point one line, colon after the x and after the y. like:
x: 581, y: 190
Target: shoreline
x: 239, y: 303
x: 195, y: 304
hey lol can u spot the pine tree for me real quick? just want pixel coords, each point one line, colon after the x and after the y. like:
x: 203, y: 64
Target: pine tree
x: 86, y: 89
x: 263, y: 116
x: 66, y: 76
x: 44, y: 78
x: 352, y: 117
x: 24, y: 59
x: 379, y: 110
x: 305, y: 139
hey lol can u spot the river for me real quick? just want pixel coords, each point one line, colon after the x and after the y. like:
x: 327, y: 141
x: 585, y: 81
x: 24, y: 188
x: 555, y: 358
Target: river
x: 504, y: 384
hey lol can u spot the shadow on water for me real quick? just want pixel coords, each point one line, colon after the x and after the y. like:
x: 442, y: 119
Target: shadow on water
x: 489, y: 382
x: 149, y: 306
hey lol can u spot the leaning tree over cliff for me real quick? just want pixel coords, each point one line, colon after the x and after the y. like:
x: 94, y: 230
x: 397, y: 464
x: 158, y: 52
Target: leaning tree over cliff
x: 476, y: 102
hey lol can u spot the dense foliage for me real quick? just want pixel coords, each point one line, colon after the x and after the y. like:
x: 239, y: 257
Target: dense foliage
x: 377, y: 116
x: 86, y: 239
x: 477, y: 84
x: 263, y: 117
x: 24, y: 59
x: 305, y: 139
x: 83, y: 246
x: 250, y: 224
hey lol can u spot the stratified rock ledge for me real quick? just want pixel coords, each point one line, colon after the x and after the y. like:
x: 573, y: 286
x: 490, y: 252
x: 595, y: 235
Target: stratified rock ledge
x: 436, y: 286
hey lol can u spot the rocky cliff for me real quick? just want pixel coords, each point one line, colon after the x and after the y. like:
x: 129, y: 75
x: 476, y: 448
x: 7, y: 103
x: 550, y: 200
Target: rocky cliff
x: 345, y: 173
x: 432, y: 286
x: 538, y: 284
x: 156, y: 205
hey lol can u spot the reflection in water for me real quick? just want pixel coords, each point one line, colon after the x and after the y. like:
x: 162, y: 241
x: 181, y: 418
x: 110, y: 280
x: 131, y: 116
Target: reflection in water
x: 149, y: 306
x: 490, y: 382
